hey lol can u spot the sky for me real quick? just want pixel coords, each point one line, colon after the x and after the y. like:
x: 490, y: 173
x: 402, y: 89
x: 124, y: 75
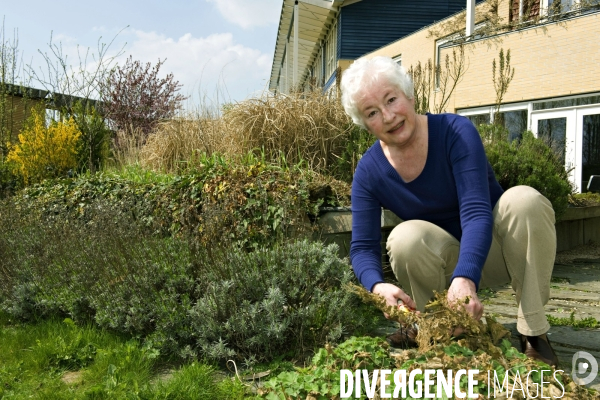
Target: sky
x: 220, y: 50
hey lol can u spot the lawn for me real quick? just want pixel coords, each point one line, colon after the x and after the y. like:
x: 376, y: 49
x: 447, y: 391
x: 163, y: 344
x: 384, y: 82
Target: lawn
x: 57, y: 359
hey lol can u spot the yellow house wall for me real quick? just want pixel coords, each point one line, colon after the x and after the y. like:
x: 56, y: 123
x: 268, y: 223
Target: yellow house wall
x: 413, y: 48
x: 343, y: 64
x: 553, y: 59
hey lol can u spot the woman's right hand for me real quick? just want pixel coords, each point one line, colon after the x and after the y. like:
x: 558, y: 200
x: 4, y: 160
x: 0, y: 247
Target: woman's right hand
x: 392, y: 295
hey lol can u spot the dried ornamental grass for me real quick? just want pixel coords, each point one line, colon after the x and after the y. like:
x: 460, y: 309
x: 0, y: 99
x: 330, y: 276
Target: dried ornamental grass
x: 175, y: 142
x: 439, y: 321
x: 310, y: 127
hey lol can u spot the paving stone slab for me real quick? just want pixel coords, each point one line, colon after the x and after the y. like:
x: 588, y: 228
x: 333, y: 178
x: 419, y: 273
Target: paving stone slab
x: 563, y: 338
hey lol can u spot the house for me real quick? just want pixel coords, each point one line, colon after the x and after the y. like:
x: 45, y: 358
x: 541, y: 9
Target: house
x: 555, y: 53
x: 554, y: 48
x: 333, y: 33
x: 17, y: 102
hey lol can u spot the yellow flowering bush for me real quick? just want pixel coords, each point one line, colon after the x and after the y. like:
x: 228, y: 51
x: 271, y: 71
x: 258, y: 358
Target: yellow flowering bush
x: 45, y: 151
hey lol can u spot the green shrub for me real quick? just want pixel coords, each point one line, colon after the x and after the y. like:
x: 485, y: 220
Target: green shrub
x: 528, y: 161
x: 358, y: 141
x: 197, y: 381
x: 585, y: 199
x: 248, y: 203
x: 95, y: 137
x: 9, y: 181
x: 214, y: 302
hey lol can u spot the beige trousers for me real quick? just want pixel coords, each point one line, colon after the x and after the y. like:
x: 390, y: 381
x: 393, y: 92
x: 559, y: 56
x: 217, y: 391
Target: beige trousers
x: 423, y: 256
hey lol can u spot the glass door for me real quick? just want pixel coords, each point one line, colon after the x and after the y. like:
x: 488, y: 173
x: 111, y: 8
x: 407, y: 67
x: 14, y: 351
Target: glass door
x: 558, y: 128
x: 588, y: 129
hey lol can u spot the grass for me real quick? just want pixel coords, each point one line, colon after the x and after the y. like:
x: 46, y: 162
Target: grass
x: 589, y: 322
x: 558, y: 279
x: 137, y: 173
x: 56, y: 359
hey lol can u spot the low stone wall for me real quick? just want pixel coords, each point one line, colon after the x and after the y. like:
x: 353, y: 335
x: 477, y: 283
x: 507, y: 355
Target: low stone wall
x: 577, y: 227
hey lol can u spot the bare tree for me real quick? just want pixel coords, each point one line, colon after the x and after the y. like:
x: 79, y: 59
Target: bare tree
x: 448, y: 77
x: 441, y: 81
x: 75, y: 92
x: 501, y: 80
x: 67, y: 83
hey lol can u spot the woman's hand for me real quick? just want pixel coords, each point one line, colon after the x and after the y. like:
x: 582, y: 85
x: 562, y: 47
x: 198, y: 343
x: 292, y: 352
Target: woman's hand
x: 392, y: 294
x: 461, y: 288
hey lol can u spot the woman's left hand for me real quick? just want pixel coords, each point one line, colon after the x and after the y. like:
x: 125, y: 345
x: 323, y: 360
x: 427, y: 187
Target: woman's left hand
x: 459, y: 290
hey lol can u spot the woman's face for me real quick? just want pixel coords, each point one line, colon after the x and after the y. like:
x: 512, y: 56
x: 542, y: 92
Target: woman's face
x: 387, y: 113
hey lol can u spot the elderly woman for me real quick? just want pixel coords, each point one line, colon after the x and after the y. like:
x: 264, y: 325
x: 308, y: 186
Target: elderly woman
x: 460, y: 229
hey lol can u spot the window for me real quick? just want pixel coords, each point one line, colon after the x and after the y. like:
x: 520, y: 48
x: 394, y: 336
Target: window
x: 524, y: 10
x: 331, y: 51
x: 570, y: 125
x: 515, y: 121
x: 52, y: 115
x: 591, y: 147
x: 478, y: 119
x: 554, y: 133
x: 569, y: 102
x: 319, y: 68
x: 398, y: 59
x: 514, y: 117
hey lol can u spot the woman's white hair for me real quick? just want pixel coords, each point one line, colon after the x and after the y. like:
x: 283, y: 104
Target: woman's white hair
x: 365, y: 71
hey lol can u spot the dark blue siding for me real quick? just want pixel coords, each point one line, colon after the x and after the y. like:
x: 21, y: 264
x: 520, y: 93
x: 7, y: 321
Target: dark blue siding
x: 371, y: 24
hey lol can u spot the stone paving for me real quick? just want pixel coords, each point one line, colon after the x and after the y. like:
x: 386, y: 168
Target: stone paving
x: 575, y: 288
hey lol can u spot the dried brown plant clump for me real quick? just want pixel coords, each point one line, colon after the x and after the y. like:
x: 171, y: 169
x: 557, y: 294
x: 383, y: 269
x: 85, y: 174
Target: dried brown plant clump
x: 174, y: 142
x: 308, y: 127
x: 436, y: 325
x: 127, y: 146
x: 439, y: 322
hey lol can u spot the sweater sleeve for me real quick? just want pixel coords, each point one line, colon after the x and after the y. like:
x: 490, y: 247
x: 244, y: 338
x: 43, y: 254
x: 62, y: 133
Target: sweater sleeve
x: 469, y: 168
x: 365, y: 247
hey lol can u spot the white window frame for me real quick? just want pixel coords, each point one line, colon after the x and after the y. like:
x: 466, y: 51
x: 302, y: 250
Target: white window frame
x: 331, y: 50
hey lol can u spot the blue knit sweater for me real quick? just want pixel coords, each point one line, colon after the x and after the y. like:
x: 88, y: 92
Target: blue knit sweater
x: 456, y: 191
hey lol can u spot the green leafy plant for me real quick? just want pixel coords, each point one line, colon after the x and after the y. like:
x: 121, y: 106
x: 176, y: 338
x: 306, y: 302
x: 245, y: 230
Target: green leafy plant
x: 248, y: 203
x: 359, y: 141
x: 585, y: 199
x: 94, y: 147
x: 321, y: 379
x: 10, y: 181
x: 58, y: 359
x: 589, y: 322
x: 217, y: 302
x: 528, y: 161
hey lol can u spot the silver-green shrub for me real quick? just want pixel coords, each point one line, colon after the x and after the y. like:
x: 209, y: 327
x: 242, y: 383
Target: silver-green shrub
x: 213, y: 302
